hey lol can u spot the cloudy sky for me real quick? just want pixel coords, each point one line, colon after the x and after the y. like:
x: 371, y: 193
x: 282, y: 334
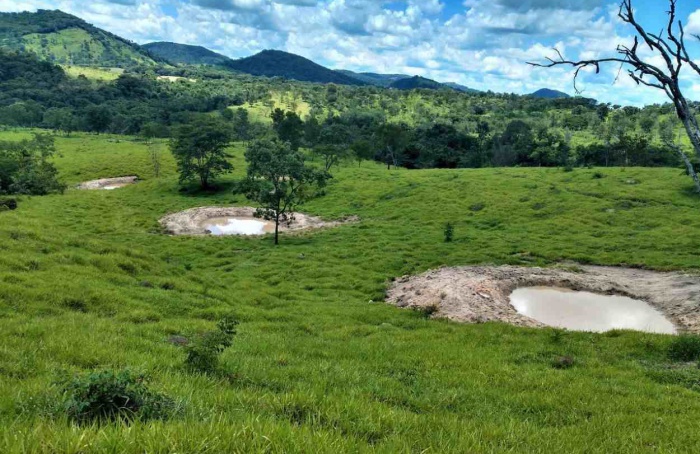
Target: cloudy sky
x: 483, y: 44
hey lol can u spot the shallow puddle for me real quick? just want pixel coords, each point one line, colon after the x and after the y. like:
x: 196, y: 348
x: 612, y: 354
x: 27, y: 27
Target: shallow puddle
x: 584, y: 311
x: 238, y: 226
x: 113, y: 186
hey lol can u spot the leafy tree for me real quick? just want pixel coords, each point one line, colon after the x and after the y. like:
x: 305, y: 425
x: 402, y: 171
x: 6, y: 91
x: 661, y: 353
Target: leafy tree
x: 25, y: 167
x: 279, y: 180
x: 393, y: 139
x: 200, y: 150
x: 241, y: 124
x: 333, y: 144
x: 362, y: 150
x: 289, y: 127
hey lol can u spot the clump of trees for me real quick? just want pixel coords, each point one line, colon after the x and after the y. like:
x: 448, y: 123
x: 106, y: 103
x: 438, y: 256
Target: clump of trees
x: 25, y: 167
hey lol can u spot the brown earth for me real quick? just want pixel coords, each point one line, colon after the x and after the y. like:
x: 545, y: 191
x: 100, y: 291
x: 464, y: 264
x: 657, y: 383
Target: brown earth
x: 477, y: 294
x: 189, y: 222
x: 108, y: 182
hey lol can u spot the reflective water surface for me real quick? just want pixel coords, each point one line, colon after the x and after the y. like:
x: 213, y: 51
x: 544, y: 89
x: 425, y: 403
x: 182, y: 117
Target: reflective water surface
x: 238, y: 226
x: 584, y: 311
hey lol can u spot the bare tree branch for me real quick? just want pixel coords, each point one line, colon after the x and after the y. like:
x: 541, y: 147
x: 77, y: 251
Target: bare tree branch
x: 672, y: 50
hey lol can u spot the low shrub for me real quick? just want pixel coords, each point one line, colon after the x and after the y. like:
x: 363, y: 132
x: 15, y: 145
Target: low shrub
x: 8, y: 204
x: 685, y: 348
x: 107, y: 395
x: 204, y: 351
x: 449, y: 232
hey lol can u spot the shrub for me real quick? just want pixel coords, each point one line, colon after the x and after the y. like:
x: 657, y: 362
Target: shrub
x: 203, y: 352
x: 8, y: 204
x: 110, y: 396
x: 449, y: 232
x: 685, y: 348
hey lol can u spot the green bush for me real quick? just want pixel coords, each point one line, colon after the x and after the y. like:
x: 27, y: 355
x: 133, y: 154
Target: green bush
x: 8, y: 204
x: 685, y: 348
x: 110, y: 396
x: 203, y: 353
x: 449, y: 232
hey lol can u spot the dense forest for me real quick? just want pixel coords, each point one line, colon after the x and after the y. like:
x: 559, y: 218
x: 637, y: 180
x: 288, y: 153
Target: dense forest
x: 418, y: 128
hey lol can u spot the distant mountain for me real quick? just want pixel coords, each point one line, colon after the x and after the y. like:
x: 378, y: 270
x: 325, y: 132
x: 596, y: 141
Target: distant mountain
x: 547, y: 93
x: 275, y: 63
x: 184, y: 54
x: 62, y: 38
x: 416, y: 82
x: 380, y: 80
x: 461, y: 88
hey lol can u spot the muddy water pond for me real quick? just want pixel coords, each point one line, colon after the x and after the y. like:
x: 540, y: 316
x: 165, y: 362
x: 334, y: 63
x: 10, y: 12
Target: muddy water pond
x: 237, y: 226
x: 584, y: 311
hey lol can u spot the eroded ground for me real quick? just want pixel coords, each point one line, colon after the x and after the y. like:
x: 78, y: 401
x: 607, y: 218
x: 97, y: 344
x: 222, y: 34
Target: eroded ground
x: 477, y: 294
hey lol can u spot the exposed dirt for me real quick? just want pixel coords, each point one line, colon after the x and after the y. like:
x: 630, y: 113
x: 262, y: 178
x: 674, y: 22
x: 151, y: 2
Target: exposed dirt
x: 478, y: 294
x: 108, y: 183
x: 189, y: 222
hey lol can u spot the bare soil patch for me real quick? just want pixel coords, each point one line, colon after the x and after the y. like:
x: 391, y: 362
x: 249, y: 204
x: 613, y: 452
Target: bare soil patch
x: 190, y: 222
x: 478, y: 294
x: 108, y: 183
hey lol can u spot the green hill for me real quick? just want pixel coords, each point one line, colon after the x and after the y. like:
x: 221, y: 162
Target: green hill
x: 185, y: 54
x: 416, y: 82
x: 65, y: 39
x: 275, y: 63
x: 547, y: 93
x: 381, y: 80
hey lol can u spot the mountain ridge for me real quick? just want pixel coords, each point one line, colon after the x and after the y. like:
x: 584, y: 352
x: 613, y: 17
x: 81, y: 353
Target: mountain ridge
x: 63, y: 38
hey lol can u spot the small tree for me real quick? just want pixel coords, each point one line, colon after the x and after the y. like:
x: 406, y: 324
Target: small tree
x: 200, y: 151
x: 362, y: 150
x: 279, y: 180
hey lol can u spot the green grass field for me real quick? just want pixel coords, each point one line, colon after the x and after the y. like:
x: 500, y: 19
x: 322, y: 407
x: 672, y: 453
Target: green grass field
x: 320, y: 363
x: 105, y: 74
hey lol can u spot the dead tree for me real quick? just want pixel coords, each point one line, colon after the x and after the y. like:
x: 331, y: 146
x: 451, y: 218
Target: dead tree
x: 670, y: 45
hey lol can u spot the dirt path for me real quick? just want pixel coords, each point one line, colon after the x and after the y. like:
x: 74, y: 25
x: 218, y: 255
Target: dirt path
x: 477, y: 294
x: 189, y: 222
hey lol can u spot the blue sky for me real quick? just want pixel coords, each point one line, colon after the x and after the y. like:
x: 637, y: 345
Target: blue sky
x: 484, y: 44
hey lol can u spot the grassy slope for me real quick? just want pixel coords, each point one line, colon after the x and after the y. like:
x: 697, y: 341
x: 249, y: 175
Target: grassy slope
x: 316, y: 363
x: 260, y: 113
x: 80, y: 47
x: 93, y: 73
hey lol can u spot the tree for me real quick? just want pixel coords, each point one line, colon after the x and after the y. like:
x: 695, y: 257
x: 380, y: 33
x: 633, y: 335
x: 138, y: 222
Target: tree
x: 200, y: 150
x: 25, y: 167
x: 241, y: 126
x: 289, y: 127
x: 279, y: 180
x: 362, y: 150
x: 393, y: 139
x: 333, y: 144
x: 669, y: 45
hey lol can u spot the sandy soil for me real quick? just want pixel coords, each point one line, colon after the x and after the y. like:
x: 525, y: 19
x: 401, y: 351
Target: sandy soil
x: 189, y: 222
x: 108, y: 182
x: 478, y: 294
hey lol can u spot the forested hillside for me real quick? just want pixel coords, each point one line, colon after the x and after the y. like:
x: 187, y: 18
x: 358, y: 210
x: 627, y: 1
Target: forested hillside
x: 275, y: 63
x: 185, y: 54
x: 417, y: 128
x: 62, y: 38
